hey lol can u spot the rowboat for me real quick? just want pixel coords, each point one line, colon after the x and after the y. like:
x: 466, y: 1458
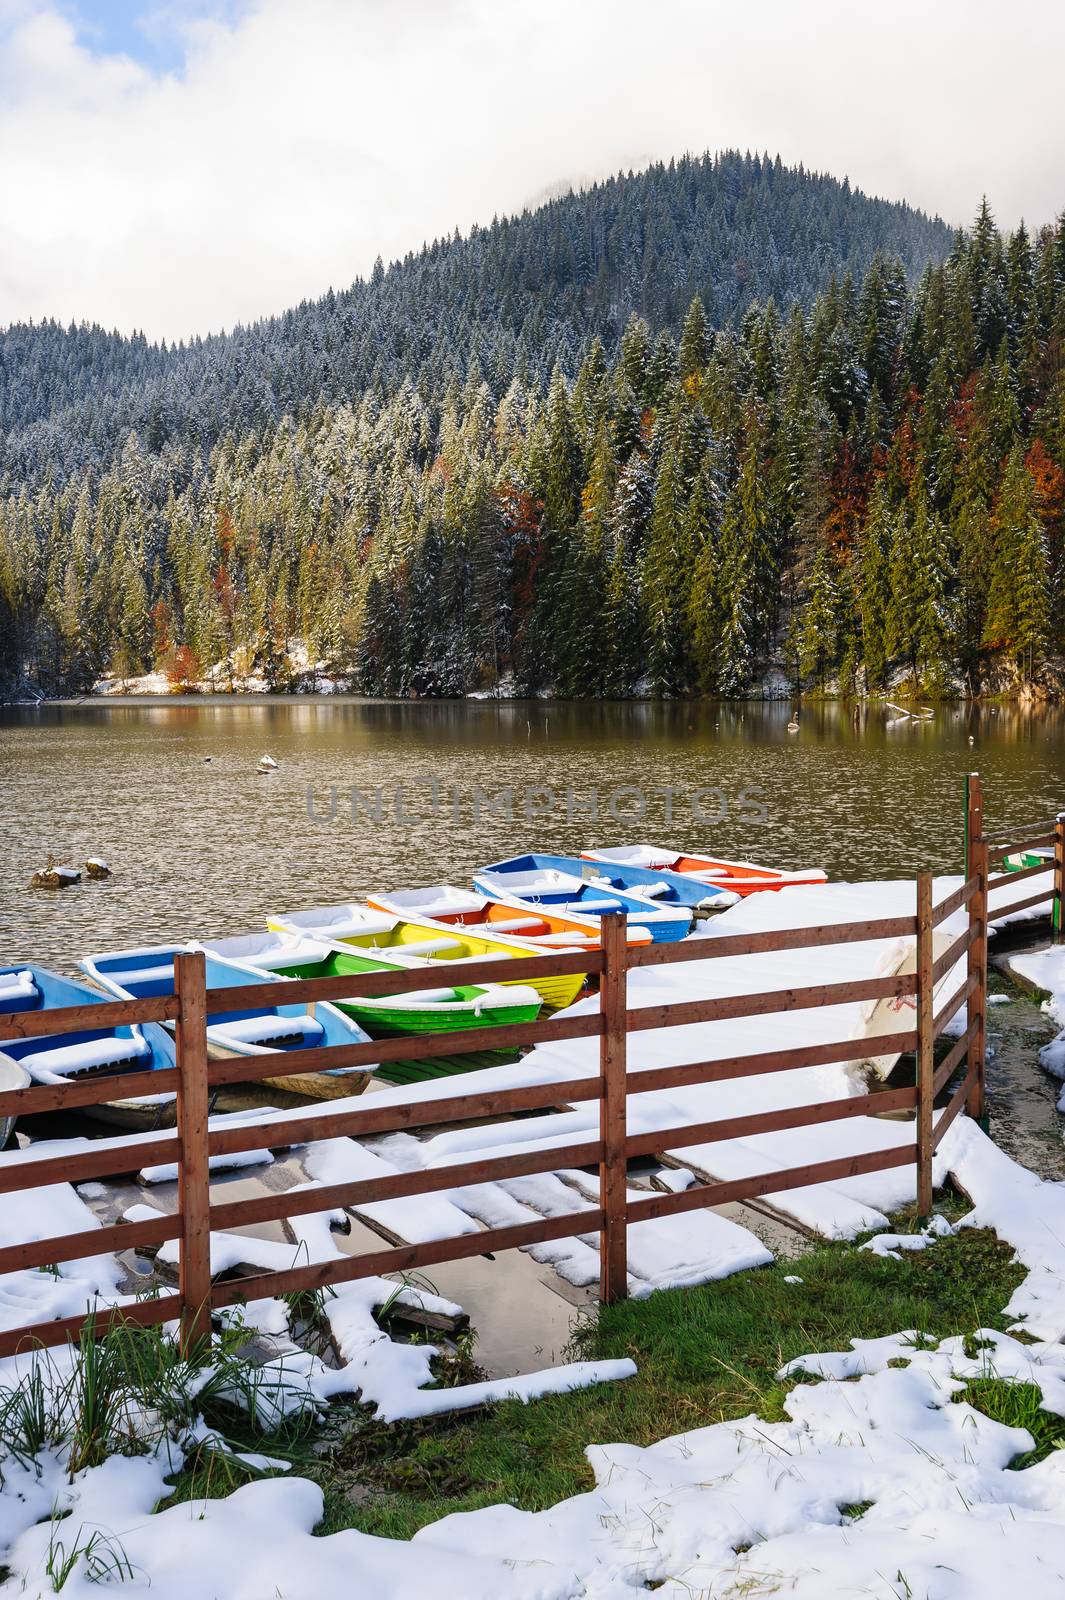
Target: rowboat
x: 467, y: 1005
x: 252, y: 1031
x: 739, y: 877
x: 567, y: 884
x: 1040, y: 856
x: 898, y: 1013
x: 333, y: 922
x: 58, y: 1057
x: 463, y: 908
x: 403, y: 937
x: 12, y: 1076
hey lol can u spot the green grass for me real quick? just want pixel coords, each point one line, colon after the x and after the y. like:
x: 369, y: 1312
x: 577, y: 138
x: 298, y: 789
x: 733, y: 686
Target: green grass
x: 703, y: 1355
x: 1018, y: 1406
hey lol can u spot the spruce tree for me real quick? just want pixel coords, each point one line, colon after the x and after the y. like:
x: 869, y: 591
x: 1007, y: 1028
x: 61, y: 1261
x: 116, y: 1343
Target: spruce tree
x: 1018, y: 611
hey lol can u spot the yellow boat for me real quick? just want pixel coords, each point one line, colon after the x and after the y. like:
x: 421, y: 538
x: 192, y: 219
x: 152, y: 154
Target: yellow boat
x: 423, y: 939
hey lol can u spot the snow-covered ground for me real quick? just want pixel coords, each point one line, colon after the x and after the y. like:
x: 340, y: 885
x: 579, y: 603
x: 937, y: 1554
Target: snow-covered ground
x: 740, y: 1508
x: 1046, y: 969
x: 879, y: 1483
x: 226, y: 676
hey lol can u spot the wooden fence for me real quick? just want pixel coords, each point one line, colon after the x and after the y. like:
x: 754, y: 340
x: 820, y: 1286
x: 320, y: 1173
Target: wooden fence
x: 194, y: 1079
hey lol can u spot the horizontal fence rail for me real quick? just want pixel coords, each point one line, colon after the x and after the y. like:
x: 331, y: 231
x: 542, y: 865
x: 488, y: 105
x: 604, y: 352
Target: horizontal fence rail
x: 925, y: 1013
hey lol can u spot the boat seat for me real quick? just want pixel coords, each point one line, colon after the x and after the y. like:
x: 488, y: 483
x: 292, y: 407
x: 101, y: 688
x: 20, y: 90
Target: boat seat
x: 17, y: 990
x: 417, y: 998
x: 90, y: 1055
x: 592, y: 905
x: 268, y: 1030
x: 163, y: 973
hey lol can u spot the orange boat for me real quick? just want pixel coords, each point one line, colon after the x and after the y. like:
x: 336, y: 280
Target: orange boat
x: 464, y: 908
x: 742, y: 877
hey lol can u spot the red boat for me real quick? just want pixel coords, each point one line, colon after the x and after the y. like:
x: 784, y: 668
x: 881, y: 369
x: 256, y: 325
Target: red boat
x: 742, y: 877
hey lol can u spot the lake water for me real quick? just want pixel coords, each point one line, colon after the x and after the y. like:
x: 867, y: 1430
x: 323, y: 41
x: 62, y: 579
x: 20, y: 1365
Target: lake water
x: 208, y: 846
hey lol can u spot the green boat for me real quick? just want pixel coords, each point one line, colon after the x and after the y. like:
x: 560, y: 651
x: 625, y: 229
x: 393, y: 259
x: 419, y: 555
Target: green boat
x: 1020, y: 859
x: 444, y: 1010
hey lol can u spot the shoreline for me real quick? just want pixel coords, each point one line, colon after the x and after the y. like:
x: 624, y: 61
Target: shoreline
x: 255, y: 697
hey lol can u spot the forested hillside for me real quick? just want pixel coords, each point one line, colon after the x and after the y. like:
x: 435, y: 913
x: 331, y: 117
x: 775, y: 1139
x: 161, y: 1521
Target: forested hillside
x: 658, y: 435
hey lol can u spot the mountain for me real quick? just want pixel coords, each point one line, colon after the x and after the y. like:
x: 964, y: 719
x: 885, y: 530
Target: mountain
x: 673, y: 434
x: 516, y: 296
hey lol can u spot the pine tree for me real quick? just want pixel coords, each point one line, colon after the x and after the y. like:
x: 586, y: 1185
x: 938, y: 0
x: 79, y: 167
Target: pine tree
x: 1018, y: 612
x: 694, y: 351
x: 706, y: 597
x: 666, y: 576
x: 874, y: 556
x: 819, y: 643
x: 919, y: 620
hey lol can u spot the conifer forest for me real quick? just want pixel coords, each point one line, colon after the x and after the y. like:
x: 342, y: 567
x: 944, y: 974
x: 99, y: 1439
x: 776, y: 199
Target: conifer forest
x: 714, y: 427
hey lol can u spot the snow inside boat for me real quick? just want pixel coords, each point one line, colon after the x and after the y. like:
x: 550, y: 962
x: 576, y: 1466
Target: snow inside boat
x: 253, y: 1031
x: 565, y: 884
x: 58, y: 1057
x: 740, y: 877
x: 464, y: 908
x: 404, y: 937
x: 424, y: 1011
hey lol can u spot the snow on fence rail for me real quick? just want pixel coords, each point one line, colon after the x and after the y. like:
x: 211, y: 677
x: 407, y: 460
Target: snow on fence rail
x: 195, y: 1078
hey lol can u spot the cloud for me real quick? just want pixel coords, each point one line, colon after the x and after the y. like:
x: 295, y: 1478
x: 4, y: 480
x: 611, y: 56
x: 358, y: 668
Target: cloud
x: 298, y: 141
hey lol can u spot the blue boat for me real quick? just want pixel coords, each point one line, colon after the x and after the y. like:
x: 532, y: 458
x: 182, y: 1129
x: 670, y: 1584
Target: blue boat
x: 666, y: 887
x: 254, y: 1031
x: 58, y: 1057
x: 566, y: 883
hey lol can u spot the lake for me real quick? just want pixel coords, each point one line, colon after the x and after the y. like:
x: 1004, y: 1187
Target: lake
x: 413, y: 793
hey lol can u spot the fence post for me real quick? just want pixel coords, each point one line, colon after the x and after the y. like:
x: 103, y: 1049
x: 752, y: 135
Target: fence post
x: 976, y: 967
x: 974, y: 817
x: 1059, y: 877
x: 194, y: 1195
x: 613, y: 1119
x: 925, y: 1044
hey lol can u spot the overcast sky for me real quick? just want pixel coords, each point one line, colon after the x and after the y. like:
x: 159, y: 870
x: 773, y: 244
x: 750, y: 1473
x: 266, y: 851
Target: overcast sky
x: 182, y: 166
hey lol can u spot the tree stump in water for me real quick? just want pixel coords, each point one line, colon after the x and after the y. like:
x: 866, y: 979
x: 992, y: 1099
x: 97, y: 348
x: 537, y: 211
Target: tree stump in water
x: 54, y: 877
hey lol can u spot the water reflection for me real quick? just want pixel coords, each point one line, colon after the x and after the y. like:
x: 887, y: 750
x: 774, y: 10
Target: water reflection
x: 208, y: 845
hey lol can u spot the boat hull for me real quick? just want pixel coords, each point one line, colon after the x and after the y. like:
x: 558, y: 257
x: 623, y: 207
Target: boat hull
x: 334, y: 1085
x: 565, y: 884
x: 401, y: 933
x: 91, y: 1052
x: 399, y: 1022
x: 898, y: 1013
x: 494, y: 916
x: 12, y: 1076
x: 247, y: 1034
x: 741, y: 878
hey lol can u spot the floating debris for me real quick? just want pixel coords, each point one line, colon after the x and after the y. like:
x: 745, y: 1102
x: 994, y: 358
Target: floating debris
x: 97, y: 867
x: 267, y: 763
x: 54, y: 877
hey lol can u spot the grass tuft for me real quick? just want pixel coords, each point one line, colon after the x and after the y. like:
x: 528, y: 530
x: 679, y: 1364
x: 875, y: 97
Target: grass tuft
x: 1018, y: 1405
